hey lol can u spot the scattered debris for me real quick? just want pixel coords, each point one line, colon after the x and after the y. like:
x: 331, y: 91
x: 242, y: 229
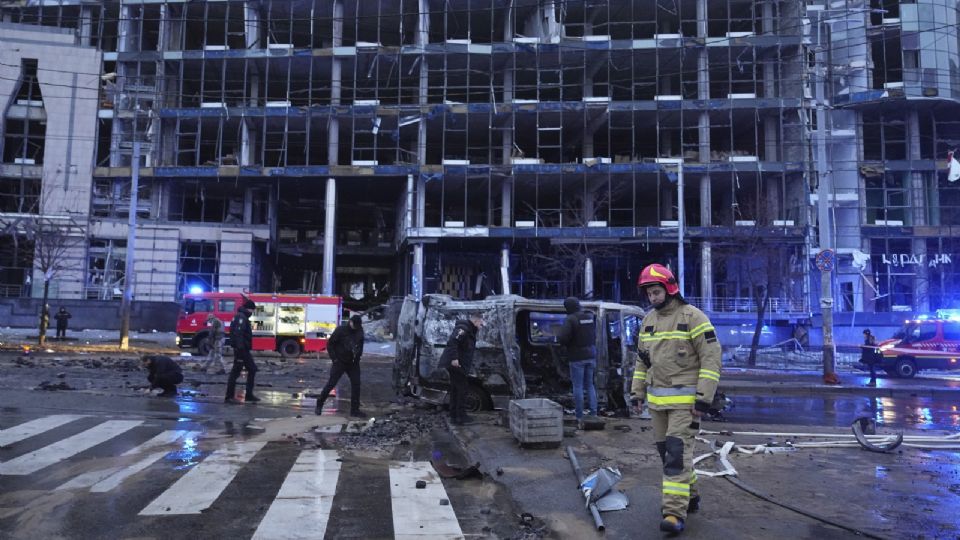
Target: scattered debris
x: 594, y: 511
x: 47, y: 385
x: 598, y: 488
x: 421, y: 484
x: 445, y: 470
x: 865, y: 425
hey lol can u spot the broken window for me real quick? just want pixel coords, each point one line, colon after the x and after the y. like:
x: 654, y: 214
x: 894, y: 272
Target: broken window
x: 20, y: 195
x: 106, y: 260
x: 198, y: 267
x: 16, y: 266
x: 205, y: 202
x: 26, y: 120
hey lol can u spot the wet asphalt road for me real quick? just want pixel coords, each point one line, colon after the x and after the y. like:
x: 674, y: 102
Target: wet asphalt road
x: 892, y: 413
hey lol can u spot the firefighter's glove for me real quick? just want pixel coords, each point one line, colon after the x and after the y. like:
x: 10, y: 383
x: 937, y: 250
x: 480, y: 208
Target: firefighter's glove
x: 701, y: 406
x: 645, y: 358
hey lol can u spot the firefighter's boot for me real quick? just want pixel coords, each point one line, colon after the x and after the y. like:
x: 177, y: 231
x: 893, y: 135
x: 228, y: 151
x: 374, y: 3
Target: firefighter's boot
x: 694, y: 504
x: 671, y: 524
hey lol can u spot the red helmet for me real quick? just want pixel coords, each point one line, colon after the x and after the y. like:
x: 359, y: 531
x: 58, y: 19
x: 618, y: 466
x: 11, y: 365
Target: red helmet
x: 658, y: 274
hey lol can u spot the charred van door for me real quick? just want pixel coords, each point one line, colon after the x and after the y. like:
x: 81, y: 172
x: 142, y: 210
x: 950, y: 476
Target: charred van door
x: 544, y: 367
x: 405, y: 365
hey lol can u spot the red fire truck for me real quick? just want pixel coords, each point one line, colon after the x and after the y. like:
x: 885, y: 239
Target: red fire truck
x: 286, y: 323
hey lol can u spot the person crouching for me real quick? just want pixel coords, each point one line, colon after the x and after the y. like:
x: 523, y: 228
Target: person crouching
x: 164, y: 373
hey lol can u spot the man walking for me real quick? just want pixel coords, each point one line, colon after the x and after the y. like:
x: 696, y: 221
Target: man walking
x: 579, y: 335
x: 869, y: 355
x: 345, y: 348
x: 241, y: 337
x: 457, y: 359
x: 679, y: 369
x: 215, y: 356
x: 62, y: 317
x: 164, y: 373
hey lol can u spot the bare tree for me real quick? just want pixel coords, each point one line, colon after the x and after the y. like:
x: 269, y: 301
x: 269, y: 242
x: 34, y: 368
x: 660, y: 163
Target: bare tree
x: 762, y: 261
x: 565, y: 261
x: 49, y: 238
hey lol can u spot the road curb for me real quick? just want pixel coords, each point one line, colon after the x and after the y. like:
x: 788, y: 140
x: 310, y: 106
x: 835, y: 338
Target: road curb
x: 732, y: 387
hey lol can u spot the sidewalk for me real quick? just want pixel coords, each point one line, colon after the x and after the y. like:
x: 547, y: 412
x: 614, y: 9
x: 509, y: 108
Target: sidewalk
x: 806, y: 382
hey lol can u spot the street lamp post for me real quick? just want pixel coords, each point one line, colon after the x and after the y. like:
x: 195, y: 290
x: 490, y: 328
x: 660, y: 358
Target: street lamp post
x: 680, y: 219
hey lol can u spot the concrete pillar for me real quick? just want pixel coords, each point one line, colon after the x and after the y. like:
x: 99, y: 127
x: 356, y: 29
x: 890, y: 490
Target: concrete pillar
x: 246, y: 143
x: 337, y: 41
x: 248, y: 206
x: 416, y: 274
x: 329, y: 238
x: 251, y: 27
x: 917, y: 188
x: 588, y: 278
x: 706, y: 276
x: 506, y: 203
x: 666, y: 201
x: 505, y: 269
x: 921, y: 281
x: 86, y: 20
x: 409, y: 206
x: 423, y: 22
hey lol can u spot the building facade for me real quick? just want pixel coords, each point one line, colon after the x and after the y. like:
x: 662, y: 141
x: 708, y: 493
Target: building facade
x: 473, y: 147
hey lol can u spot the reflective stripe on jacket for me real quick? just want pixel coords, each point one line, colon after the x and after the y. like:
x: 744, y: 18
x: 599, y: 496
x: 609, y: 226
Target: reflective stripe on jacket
x: 684, y: 357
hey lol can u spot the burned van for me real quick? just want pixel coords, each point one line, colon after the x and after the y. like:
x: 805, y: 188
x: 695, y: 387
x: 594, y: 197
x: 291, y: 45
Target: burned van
x: 517, y: 353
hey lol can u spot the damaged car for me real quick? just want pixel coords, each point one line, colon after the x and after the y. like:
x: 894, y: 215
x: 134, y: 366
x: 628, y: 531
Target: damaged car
x: 517, y: 353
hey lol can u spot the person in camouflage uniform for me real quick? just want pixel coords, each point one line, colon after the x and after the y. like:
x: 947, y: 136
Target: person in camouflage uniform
x: 678, y: 372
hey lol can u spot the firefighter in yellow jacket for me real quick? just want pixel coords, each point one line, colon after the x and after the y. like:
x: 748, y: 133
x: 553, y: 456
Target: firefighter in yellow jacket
x: 678, y: 372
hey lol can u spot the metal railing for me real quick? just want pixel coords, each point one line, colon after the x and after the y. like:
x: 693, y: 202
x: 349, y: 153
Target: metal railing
x: 13, y: 291
x: 749, y: 305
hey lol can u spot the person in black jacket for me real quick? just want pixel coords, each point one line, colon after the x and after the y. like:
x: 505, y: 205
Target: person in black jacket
x: 870, y: 355
x: 164, y: 373
x: 62, y: 317
x: 345, y: 348
x: 579, y: 335
x: 241, y: 338
x: 457, y: 359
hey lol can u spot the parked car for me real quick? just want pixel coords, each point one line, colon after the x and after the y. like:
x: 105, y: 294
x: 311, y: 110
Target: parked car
x: 922, y: 344
x: 517, y: 352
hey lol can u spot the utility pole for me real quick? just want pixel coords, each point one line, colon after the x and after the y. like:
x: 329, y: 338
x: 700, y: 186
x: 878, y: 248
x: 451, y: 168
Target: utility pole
x: 826, y: 258
x: 131, y: 240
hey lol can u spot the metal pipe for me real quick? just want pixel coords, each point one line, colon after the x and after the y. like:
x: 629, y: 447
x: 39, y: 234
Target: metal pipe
x: 594, y: 511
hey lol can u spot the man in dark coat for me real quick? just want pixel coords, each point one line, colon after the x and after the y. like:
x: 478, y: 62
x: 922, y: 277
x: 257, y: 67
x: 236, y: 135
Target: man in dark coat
x: 62, y: 317
x: 579, y: 335
x: 345, y: 348
x: 457, y: 359
x: 164, y: 373
x: 241, y: 337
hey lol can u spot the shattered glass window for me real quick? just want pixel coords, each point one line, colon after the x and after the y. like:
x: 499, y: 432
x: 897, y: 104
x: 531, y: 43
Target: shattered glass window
x: 544, y: 327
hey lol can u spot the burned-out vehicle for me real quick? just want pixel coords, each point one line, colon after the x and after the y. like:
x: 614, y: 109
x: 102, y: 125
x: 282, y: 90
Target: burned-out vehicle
x: 517, y: 353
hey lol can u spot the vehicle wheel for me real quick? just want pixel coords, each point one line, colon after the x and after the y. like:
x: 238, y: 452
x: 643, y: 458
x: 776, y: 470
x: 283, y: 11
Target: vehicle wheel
x: 204, y: 346
x: 476, y: 399
x: 906, y: 368
x: 289, y: 348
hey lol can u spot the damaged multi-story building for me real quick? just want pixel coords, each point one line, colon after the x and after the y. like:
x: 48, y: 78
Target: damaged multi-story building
x: 475, y: 147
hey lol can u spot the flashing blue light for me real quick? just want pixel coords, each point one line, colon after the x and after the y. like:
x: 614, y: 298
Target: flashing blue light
x: 196, y: 289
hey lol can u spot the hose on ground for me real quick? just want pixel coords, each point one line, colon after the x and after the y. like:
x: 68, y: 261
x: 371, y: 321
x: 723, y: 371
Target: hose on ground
x: 770, y: 499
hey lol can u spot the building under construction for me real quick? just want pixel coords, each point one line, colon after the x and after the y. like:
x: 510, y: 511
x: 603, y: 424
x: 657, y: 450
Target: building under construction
x: 473, y: 147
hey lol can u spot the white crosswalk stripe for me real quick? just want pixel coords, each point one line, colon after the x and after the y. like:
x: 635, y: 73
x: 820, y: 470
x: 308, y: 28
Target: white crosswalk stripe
x: 420, y: 513
x: 64, y: 449
x: 35, y: 427
x: 302, y: 507
x: 198, y: 489
x: 106, y: 479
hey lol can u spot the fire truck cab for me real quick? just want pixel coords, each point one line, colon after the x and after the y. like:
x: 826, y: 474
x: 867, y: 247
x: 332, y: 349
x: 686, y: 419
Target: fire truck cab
x: 286, y: 323
x: 924, y: 343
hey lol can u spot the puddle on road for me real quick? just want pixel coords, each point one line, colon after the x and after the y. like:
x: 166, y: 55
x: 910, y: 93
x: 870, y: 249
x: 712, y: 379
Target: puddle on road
x: 187, y: 456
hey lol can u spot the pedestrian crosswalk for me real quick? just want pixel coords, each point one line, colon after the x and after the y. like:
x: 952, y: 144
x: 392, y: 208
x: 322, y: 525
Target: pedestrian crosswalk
x: 302, y: 506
